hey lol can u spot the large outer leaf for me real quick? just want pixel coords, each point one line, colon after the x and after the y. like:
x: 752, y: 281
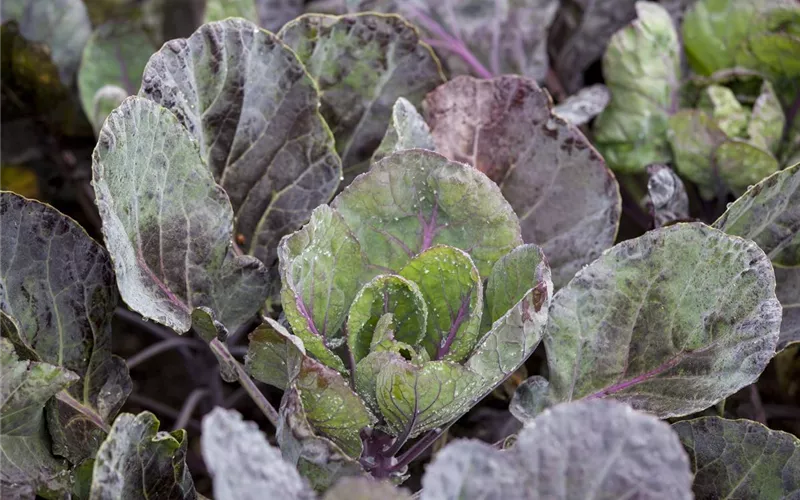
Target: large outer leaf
x: 670, y: 322
x: 740, y: 459
x: 787, y: 288
x: 242, y: 463
x: 566, y: 199
x: 362, y: 64
x: 317, y: 458
x: 27, y: 466
x: 253, y: 109
x: 114, y: 58
x: 414, y: 199
x: 407, y: 130
x: 769, y: 214
x: 596, y: 449
x: 138, y: 461
x: 167, y: 225
x: 480, y: 36
x: 453, y: 291
x: 321, y: 266
x: 58, y: 284
x: 62, y: 25
x: 641, y: 67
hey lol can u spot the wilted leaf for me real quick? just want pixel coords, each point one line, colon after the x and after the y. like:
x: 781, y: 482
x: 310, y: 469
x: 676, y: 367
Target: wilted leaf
x: 740, y: 164
x: 62, y: 25
x: 320, y: 267
x: 666, y: 196
x: 407, y: 130
x: 27, y: 466
x: 787, y: 288
x: 362, y: 488
x: 432, y: 201
x: 274, y: 356
x: 670, y: 322
x: 579, y: 35
x: 641, y: 67
x: 595, y: 449
x: 318, y: 459
x: 253, y: 109
x: 139, y: 461
x: 740, y: 459
x: 769, y: 214
x: 115, y: 55
x: 242, y: 463
x: 217, y: 10
x: 386, y: 294
x: 567, y: 200
x: 453, y: 291
x: 362, y: 64
x: 582, y: 107
x: 414, y: 399
x: 58, y: 284
x: 167, y: 225
x: 694, y: 137
x: 481, y: 37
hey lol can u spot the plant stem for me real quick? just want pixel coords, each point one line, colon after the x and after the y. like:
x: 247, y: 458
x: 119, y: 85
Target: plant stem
x: 416, y: 449
x: 162, y: 409
x: 188, y: 408
x: 158, y: 348
x: 222, y: 352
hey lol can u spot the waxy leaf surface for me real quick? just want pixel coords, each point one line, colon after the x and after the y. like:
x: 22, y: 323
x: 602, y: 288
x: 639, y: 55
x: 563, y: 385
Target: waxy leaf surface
x: 242, y: 463
x: 593, y: 449
x: 58, y: 284
x: 139, y: 461
x: 415, y: 199
x: 641, y: 67
x: 694, y: 138
x: 253, y: 109
x: 740, y: 459
x: 666, y: 196
x: 671, y: 337
x: 362, y: 64
x: 167, y: 224
x: 582, y: 107
x: 407, y: 130
x: 787, y: 288
x: 741, y: 164
x: 567, y: 200
x: 27, y: 465
x: 274, y: 356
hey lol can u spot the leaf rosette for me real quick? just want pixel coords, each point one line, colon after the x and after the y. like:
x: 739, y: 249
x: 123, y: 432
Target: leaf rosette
x: 410, y: 298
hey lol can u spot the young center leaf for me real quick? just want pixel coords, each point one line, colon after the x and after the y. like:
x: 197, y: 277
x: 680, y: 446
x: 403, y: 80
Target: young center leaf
x: 641, y: 67
x: 27, y: 465
x: 407, y: 130
x: 740, y: 459
x: 111, y: 68
x: 432, y: 201
x: 242, y: 463
x: 139, y: 461
x: 362, y: 64
x: 58, y: 285
x: 694, y: 137
x: 671, y: 337
x: 591, y: 449
x: 254, y: 111
x: 567, y: 200
x: 167, y: 224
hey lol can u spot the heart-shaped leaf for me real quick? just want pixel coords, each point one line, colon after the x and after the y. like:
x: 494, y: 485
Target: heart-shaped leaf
x: 58, y: 284
x: 362, y: 63
x: 167, y: 224
x: 740, y: 459
x: 567, y: 200
x: 27, y: 466
x: 112, y: 65
x: 139, y: 461
x: 242, y: 463
x: 320, y: 267
x: 641, y: 67
x: 415, y: 199
x: 671, y: 337
x: 593, y: 449
x: 453, y: 291
x: 407, y: 130
x: 253, y: 109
